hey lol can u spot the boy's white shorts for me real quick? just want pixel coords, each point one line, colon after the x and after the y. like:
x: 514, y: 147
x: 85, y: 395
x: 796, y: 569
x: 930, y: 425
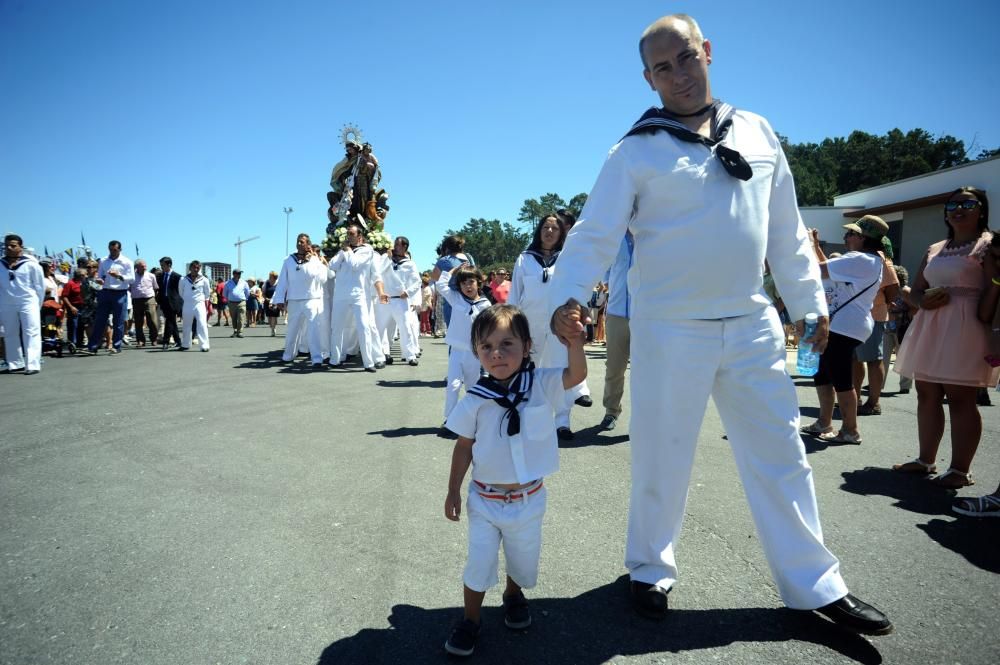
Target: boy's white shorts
x: 518, y: 525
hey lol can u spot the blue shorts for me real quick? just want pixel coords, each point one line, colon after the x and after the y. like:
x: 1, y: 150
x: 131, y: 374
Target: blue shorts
x: 871, y: 350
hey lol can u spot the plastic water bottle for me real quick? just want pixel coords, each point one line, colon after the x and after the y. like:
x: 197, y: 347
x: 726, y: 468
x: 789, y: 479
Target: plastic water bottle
x: 807, y: 362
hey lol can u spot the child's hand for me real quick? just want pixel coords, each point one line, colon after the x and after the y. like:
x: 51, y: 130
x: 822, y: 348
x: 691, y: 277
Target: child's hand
x: 453, y: 506
x: 569, y: 321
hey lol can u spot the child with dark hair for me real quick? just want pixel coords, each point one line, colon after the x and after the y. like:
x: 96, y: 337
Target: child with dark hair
x: 460, y: 288
x: 507, y: 433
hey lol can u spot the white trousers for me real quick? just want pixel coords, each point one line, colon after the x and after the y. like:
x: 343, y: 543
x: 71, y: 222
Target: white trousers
x: 350, y: 313
x: 304, y: 318
x: 740, y: 362
x: 194, y: 312
x: 517, y: 525
x: 22, y: 323
x: 397, y: 315
x: 463, y: 369
x: 552, y: 353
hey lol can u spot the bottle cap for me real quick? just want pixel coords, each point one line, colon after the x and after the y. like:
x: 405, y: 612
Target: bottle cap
x: 812, y: 318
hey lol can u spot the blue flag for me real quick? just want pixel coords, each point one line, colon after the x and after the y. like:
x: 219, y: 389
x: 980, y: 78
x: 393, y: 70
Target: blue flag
x: 137, y: 250
x: 83, y: 241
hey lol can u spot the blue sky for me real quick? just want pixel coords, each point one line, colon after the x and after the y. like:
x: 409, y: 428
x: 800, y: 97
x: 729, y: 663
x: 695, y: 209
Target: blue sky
x: 181, y: 126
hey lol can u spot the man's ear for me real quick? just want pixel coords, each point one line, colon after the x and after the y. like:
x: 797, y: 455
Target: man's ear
x: 707, y: 46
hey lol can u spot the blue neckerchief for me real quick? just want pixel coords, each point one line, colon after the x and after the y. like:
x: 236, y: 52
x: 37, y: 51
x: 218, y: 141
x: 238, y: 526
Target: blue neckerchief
x: 656, y: 119
x: 509, y: 396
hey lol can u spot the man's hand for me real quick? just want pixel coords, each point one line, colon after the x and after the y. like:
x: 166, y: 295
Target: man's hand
x: 383, y: 298
x: 278, y: 306
x: 820, y: 338
x: 453, y: 506
x: 569, y: 321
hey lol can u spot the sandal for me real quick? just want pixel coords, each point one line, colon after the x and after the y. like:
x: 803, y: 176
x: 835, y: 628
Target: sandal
x: 841, y: 437
x: 953, y: 479
x: 916, y: 466
x: 816, y: 429
x: 870, y: 410
x: 979, y: 506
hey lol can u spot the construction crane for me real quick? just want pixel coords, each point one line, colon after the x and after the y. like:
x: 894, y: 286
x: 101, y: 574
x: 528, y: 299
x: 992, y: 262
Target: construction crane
x: 239, y: 250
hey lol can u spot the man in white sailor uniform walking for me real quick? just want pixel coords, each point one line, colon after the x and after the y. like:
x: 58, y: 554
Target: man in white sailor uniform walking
x: 22, y: 288
x: 353, y: 267
x: 300, y: 290
x: 401, y: 282
x: 195, y: 290
x: 683, y: 177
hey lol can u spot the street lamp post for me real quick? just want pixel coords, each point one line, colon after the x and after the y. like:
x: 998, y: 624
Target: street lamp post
x: 288, y: 212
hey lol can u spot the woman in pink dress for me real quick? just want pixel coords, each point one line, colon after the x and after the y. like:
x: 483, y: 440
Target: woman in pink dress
x: 946, y: 343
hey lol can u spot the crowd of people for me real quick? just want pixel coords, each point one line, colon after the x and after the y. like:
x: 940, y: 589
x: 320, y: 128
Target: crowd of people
x: 703, y: 332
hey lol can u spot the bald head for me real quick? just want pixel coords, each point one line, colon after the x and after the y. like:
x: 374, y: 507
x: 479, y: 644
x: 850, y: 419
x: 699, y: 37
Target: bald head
x: 676, y: 24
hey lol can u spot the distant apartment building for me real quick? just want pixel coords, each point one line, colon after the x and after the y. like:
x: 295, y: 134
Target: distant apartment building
x: 216, y: 271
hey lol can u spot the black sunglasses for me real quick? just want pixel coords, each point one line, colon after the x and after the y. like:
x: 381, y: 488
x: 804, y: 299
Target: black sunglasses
x: 967, y: 204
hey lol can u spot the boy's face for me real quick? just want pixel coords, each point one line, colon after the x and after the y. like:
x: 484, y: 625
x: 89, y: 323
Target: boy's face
x: 501, y: 353
x: 470, y: 288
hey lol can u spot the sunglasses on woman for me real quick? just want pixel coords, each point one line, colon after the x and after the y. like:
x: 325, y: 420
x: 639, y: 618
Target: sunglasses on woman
x: 967, y: 204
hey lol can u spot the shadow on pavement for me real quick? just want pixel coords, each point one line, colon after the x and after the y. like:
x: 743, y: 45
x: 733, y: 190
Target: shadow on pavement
x: 593, y: 436
x: 411, y: 383
x: 912, y: 492
x: 267, y: 360
x: 594, y: 627
x: 406, y: 431
x: 974, y: 539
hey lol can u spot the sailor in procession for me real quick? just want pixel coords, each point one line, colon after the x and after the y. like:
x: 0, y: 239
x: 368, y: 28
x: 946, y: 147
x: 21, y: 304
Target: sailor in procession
x: 401, y: 282
x: 353, y: 265
x: 300, y: 291
x: 22, y: 289
x: 195, y: 290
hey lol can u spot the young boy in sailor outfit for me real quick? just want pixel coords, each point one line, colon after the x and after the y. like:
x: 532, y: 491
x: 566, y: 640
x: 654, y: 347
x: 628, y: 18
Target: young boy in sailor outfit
x: 506, y: 431
x: 466, y: 303
x: 195, y: 290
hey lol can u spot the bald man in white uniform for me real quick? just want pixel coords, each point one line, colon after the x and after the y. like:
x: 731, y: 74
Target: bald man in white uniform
x: 707, y: 194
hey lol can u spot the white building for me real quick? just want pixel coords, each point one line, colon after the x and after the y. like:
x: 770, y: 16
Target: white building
x: 914, y: 209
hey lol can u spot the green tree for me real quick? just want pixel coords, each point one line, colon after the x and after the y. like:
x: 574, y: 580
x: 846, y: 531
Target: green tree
x: 840, y: 165
x: 533, y: 209
x: 492, y: 242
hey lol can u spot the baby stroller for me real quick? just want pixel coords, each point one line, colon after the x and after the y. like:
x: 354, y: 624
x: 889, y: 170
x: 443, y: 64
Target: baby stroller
x: 52, y: 316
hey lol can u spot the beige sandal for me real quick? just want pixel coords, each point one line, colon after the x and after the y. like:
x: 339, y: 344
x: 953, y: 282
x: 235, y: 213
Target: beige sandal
x: 953, y: 479
x: 816, y: 429
x: 916, y: 466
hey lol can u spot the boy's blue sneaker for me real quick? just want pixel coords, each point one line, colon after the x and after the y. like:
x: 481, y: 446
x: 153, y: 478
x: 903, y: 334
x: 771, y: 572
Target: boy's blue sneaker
x: 463, y: 638
x: 516, y: 614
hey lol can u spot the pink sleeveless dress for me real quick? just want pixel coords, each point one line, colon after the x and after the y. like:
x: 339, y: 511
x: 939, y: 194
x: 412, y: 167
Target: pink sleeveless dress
x: 948, y: 344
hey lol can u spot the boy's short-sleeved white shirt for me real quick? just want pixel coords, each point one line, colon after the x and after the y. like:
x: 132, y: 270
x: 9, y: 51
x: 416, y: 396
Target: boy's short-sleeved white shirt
x: 850, y: 274
x: 521, y: 458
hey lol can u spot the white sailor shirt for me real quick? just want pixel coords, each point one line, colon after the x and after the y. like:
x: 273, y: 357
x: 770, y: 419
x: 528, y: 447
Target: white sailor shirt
x: 22, y: 283
x: 701, y: 235
x: 463, y: 313
x: 521, y: 458
x: 300, y: 280
x: 353, y: 269
x: 196, y: 291
x: 401, y: 277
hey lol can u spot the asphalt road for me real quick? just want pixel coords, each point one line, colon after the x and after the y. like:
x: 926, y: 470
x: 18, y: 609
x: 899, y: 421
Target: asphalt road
x: 188, y: 508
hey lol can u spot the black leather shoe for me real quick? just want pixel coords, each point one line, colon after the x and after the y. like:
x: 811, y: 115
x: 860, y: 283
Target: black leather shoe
x: 414, y: 362
x: 370, y: 369
x: 649, y: 600
x: 608, y: 423
x: 857, y: 615
x: 584, y: 401
x: 379, y: 365
x: 565, y: 434
x: 389, y: 360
